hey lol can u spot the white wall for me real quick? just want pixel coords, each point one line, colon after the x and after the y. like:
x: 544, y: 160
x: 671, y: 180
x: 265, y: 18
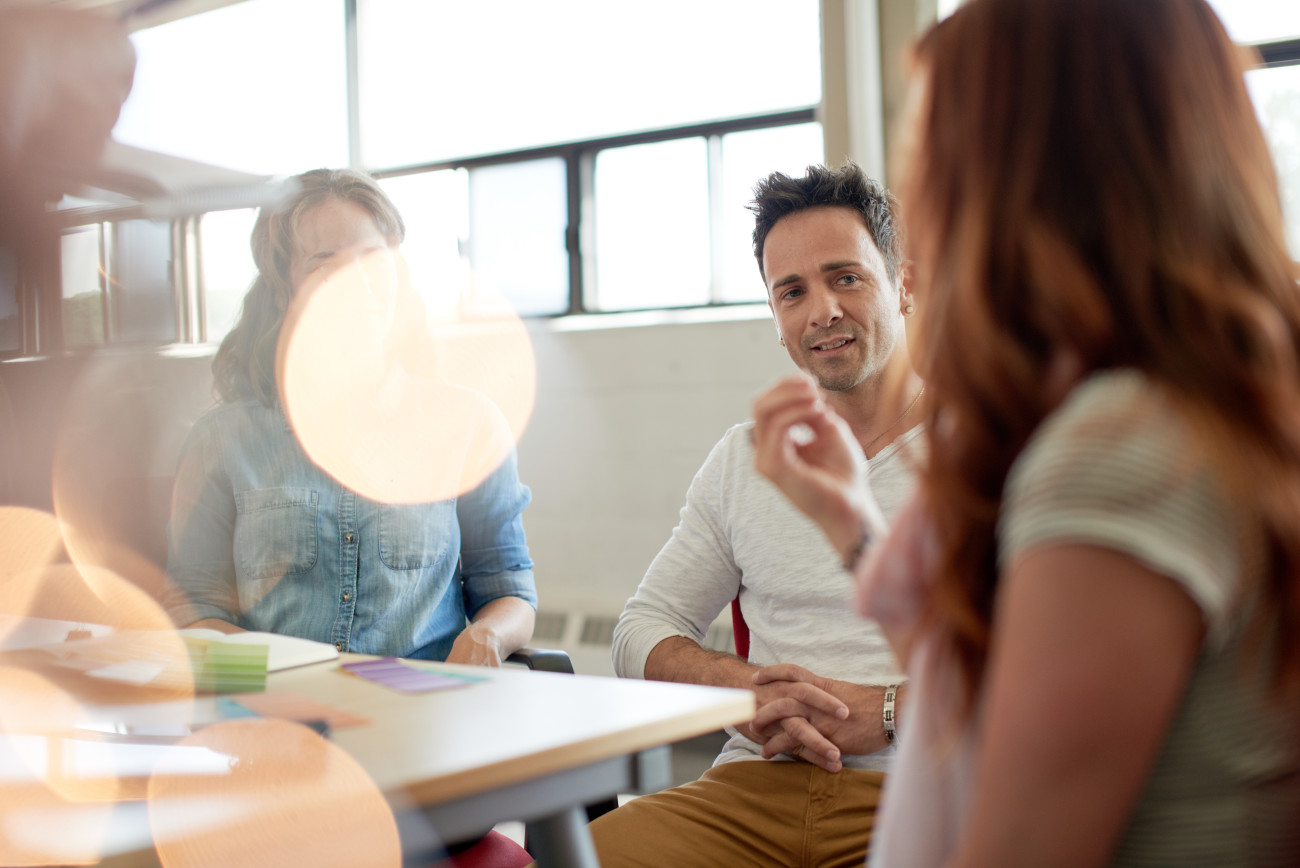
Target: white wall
x: 624, y: 418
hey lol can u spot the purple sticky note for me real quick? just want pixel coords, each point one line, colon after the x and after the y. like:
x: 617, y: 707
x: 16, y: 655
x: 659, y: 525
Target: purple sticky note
x: 391, y: 672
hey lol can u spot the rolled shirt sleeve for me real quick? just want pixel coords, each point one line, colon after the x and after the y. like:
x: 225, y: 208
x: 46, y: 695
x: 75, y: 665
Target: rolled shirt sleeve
x: 494, y: 553
x: 689, y: 582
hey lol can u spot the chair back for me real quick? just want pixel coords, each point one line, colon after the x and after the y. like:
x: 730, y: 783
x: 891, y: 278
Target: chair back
x: 739, y: 630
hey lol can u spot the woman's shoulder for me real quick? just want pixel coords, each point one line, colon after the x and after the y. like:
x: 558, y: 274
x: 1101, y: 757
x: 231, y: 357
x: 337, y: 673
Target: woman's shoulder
x: 1118, y: 416
x: 239, y: 418
x: 1112, y: 397
x: 1119, y: 464
x: 1118, y: 422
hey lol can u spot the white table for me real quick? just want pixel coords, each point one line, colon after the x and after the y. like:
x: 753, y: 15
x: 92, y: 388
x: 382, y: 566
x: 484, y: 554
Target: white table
x: 531, y: 746
x: 519, y: 745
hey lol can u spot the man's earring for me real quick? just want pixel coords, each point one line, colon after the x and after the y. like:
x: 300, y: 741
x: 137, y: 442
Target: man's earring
x: 780, y: 340
x: 907, y: 310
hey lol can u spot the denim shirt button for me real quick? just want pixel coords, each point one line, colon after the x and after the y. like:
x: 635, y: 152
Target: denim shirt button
x: 347, y: 595
x: 338, y: 646
x: 348, y: 537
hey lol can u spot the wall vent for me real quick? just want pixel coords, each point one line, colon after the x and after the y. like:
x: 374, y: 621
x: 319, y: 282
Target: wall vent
x: 548, y: 628
x: 598, y: 630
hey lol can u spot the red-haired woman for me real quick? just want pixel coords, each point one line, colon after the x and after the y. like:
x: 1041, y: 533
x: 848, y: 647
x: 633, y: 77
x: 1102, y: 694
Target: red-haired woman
x: 1097, y: 590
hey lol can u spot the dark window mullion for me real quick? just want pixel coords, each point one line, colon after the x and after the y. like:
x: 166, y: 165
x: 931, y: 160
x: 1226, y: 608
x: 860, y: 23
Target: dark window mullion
x: 1283, y: 53
x: 580, y: 158
x: 710, y: 128
x: 573, y: 232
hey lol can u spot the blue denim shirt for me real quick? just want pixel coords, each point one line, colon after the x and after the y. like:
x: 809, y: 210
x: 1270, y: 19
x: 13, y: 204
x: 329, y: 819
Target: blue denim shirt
x: 262, y: 537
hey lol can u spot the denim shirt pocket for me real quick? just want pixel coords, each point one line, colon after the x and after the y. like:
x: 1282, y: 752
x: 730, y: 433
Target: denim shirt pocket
x: 416, y: 536
x: 275, y: 534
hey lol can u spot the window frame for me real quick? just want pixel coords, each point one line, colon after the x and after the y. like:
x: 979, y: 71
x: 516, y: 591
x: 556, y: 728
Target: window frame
x: 1278, y: 53
x: 40, y: 312
x: 39, y: 283
x: 580, y: 157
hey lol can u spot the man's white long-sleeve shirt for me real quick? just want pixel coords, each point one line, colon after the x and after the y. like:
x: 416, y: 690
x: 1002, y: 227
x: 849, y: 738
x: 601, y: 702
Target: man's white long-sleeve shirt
x: 738, y: 534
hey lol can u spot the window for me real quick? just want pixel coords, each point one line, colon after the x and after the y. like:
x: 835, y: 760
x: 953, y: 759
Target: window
x: 652, y: 226
x: 117, y: 284
x: 435, y: 208
x: 258, y: 86
x: 946, y: 8
x: 487, y: 234
x: 518, y: 216
x: 1251, y: 22
x: 226, y: 269
x: 620, y: 190
x: 746, y: 158
x: 11, y: 337
x: 562, y: 157
x: 516, y: 74
x: 672, y: 227
x: 1276, y: 92
x: 83, y: 287
x: 141, y: 304
x: 1274, y: 30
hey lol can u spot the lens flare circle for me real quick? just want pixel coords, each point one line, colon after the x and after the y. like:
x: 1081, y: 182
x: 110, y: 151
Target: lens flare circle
x: 115, y: 450
x: 40, y: 784
x: 29, y: 542
x: 396, y: 407
x: 290, y: 797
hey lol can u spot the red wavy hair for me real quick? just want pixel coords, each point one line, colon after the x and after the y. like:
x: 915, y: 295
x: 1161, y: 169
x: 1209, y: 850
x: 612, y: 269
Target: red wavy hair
x: 1090, y: 184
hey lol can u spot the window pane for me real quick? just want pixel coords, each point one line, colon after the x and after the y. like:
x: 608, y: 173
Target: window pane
x: 10, y: 322
x: 1258, y: 20
x: 651, y: 226
x: 946, y: 8
x: 227, y: 268
x: 503, y: 76
x: 518, y: 213
x: 435, y: 208
x: 1276, y: 93
x: 746, y: 158
x: 83, y: 307
x: 140, y: 291
x: 259, y: 86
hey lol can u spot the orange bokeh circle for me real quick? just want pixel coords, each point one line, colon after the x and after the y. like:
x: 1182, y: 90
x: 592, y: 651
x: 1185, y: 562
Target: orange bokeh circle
x: 393, y: 405
x: 290, y: 797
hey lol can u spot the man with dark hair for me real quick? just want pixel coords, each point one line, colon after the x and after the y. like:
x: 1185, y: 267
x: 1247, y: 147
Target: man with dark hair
x: 779, y: 195
x: 798, y: 785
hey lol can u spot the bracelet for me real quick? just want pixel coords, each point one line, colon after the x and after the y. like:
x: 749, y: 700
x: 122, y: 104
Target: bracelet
x: 855, y: 553
x: 887, y: 715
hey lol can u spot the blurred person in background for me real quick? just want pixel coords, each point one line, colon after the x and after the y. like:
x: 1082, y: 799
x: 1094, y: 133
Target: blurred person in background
x: 63, y: 78
x: 262, y: 538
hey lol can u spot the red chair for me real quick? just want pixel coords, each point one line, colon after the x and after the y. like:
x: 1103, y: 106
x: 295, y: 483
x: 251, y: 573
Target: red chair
x: 493, y: 851
x: 739, y: 630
